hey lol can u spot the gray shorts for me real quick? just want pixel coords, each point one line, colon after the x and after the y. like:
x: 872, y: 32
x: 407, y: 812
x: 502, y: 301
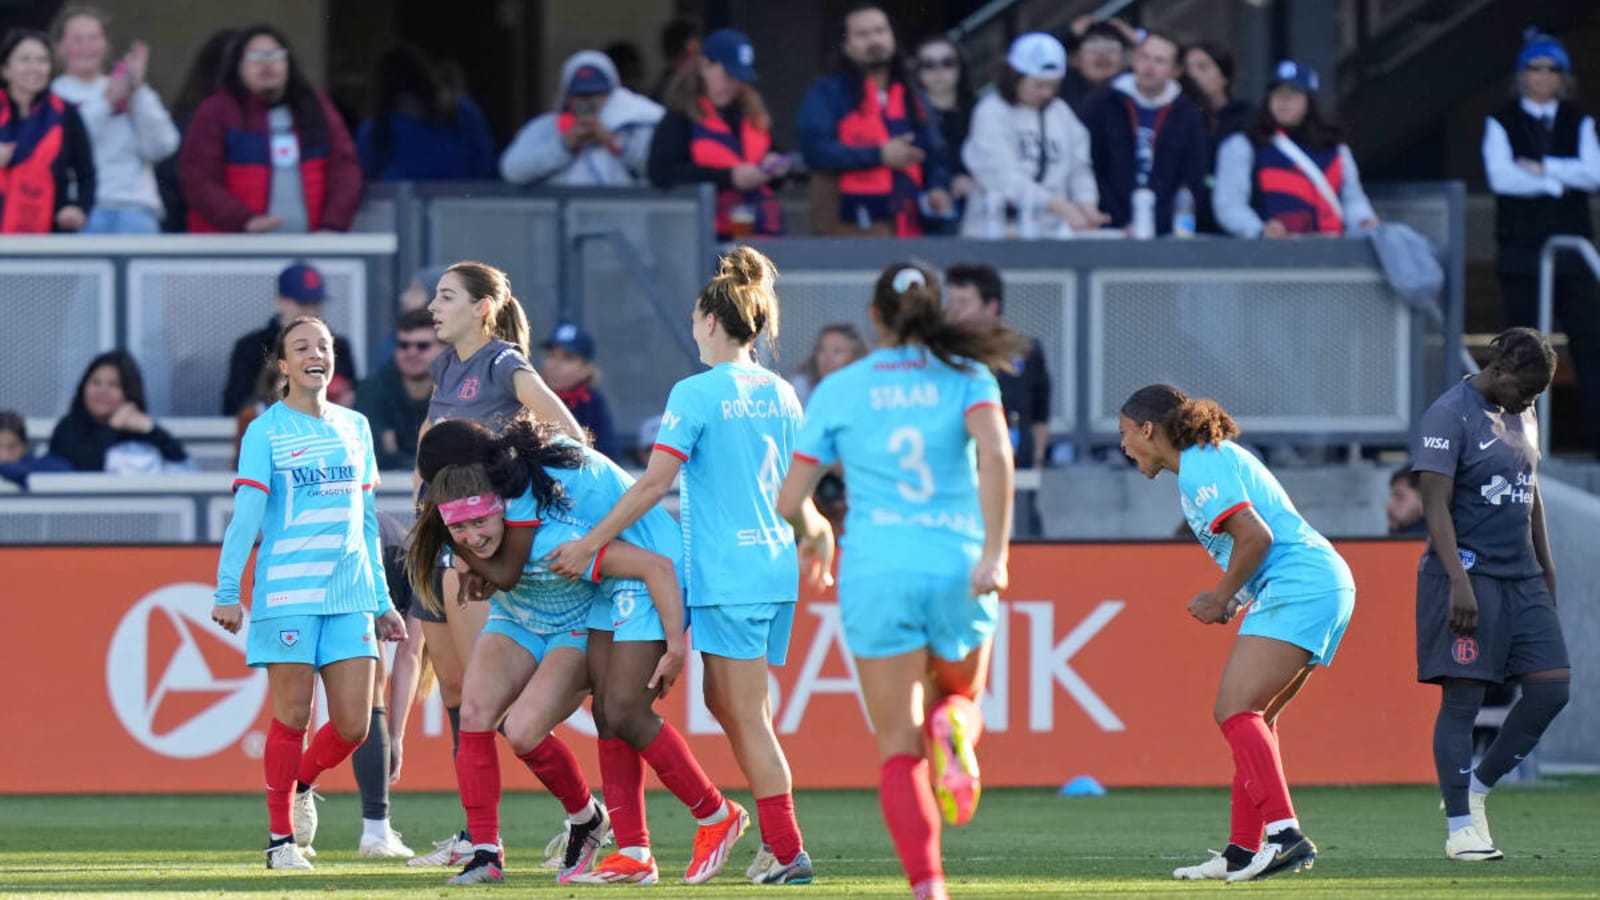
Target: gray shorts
x: 1518, y: 630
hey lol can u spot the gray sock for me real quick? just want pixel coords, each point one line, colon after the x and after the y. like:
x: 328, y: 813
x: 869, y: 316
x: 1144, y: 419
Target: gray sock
x: 1524, y: 724
x: 1452, y: 741
x: 370, y: 763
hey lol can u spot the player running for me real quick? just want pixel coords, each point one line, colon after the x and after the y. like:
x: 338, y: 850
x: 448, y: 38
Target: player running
x: 918, y: 428
x: 306, y: 478
x: 1486, y: 592
x: 1300, y: 594
x: 730, y: 431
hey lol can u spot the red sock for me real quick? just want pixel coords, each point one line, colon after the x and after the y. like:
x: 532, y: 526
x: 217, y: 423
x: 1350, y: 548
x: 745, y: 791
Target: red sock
x: 677, y: 768
x: 912, y: 816
x: 622, y: 779
x: 326, y: 751
x: 478, y: 774
x: 281, y: 760
x: 552, y: 762
x: 1255, y: 759
x: 779, y: 830
x: 1247, y: 821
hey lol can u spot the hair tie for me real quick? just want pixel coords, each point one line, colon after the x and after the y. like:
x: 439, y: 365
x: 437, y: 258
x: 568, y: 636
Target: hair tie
x: 905, y: 278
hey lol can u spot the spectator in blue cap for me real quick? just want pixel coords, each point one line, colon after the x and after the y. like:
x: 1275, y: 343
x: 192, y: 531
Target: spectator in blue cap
x: 717, y: 129
x: 568, y: 367
x: 598, y: 135
x: 301, y: 292
x: 1290, y: 173
x: 1543, y: 164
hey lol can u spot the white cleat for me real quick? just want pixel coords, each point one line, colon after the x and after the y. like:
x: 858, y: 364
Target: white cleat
x: 1480, y: 818
x: 453, y: 851
x: 389, y: 846
x: 764, y: 860
x: 287, y: 855
x: 303, y: 808
x: 1471, y: 845
x: 1213, y: 869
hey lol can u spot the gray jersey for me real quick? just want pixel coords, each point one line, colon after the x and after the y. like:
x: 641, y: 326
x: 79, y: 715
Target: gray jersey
x: 1493, y: 457
x: 481, y: 387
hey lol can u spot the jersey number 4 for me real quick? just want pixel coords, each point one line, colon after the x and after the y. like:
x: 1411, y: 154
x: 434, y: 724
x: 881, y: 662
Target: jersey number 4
x: 908, y: 441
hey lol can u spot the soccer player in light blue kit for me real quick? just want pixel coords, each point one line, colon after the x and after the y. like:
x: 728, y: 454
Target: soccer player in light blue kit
x: 730, y: 432
x: 306, y: 477
x: 1300, y: 596
x: 918, y: 426
x: 636, y: 625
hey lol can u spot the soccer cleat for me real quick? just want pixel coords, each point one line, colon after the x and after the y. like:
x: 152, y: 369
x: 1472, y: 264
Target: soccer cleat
x: 1231, y: 859
x: 1471, y: 845
x: 584, y: 843
x: 555, y: 849
x: 304, y: 811
x: 485, y: 867
x: 287, y: 855
x: 953, y: 729
x: 713, y: 842
x: 763, y: 861
x: 797, y: 872
x: 389, y: 846
x: 619, y: 868
x: 1286, y: 851
x: 452, y: 851
x: 1480, y: 818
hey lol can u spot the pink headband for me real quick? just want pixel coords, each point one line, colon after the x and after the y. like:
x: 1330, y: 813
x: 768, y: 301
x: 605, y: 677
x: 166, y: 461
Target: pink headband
x: 468, y: 508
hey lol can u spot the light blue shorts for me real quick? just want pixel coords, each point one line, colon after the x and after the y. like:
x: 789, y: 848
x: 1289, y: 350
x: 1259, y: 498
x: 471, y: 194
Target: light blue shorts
x: 312, y: 640
x: 624, y: 608
x: 1313, y: 622
x: 889, y: 614
x: 538, y: 645
x: 743, y: 630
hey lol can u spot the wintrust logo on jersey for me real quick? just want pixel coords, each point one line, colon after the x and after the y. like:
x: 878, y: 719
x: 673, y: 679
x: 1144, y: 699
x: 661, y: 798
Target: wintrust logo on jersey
x: 164, y: 675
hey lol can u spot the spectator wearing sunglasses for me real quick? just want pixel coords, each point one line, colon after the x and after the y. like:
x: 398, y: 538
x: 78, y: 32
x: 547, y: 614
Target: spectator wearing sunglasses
x: 1542, y: 160
x: 946, y: 82
x: 395, y: 397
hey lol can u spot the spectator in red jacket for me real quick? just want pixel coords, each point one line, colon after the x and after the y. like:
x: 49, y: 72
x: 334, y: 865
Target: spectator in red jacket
x: 268, y: 152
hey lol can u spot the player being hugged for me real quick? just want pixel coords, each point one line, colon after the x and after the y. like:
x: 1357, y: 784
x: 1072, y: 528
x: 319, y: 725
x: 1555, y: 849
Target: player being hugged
x: 730, y: 431
x: 635, y: 627
x: 306, y: 478
x: 1300, y: 596
x: 918, y: 427
x: 1486, y: 591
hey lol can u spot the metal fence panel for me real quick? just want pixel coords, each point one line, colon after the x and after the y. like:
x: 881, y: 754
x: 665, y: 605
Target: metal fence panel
x: 97, y: 520
x: 1241, y: 337
x: 59, y: 314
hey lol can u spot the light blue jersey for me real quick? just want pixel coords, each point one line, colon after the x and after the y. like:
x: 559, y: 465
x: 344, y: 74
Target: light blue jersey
x: 734, y: 427
x: 544, y: 602
x: 897, y: 420
x: 1218, y: 481
x: 305, y: 484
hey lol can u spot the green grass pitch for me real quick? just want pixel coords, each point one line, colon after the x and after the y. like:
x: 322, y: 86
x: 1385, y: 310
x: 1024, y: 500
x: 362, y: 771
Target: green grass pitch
x: 1384, y: 841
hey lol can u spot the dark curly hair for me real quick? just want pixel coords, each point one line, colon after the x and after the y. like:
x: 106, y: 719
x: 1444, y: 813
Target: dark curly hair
x: 1187, y: 421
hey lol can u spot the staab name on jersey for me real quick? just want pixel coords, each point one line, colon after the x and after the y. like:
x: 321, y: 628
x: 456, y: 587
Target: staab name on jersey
x: 897, y: 397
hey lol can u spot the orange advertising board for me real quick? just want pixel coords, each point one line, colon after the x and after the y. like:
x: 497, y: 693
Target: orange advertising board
x: 117, y: 681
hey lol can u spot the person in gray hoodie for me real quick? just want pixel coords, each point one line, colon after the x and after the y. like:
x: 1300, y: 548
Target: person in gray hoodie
x: 1145, y: 134
x: 598, y: 134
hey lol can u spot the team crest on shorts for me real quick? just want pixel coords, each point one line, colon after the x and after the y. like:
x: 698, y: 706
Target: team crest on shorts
x: 1468, y: 558
x: 289, y: 636
x: 1465, y: 650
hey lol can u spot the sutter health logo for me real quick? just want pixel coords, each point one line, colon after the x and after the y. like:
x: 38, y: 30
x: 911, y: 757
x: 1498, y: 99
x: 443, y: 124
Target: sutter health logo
x: 168, y: 675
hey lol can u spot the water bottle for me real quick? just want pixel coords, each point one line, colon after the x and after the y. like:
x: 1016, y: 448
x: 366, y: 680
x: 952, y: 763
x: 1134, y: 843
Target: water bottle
x: 1183, y: 214
x: 1028, y: 219
x: 994, y: 216
x: 1144, y: 214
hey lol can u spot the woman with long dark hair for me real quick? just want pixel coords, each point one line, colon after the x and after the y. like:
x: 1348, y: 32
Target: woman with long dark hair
x: 1208, y: 68
x: 418, y: 129
x: 946, y: 81
x: 1299, y: 593
x: 108, y: 409
x: 928, y: 461
x: 267, y: 151
x: 1290, y: 172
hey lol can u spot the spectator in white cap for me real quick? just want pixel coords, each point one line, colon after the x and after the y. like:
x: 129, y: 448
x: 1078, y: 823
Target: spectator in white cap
x: 598, y: 135
x: 1290, y: 172
x: 1026, y: 148
x: 1542, y: 159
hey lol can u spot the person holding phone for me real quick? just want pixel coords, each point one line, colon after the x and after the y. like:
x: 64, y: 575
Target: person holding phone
x: 597, y: 136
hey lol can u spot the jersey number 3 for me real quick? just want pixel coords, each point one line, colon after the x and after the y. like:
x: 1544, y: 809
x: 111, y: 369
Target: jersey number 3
x: 908, y: 440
